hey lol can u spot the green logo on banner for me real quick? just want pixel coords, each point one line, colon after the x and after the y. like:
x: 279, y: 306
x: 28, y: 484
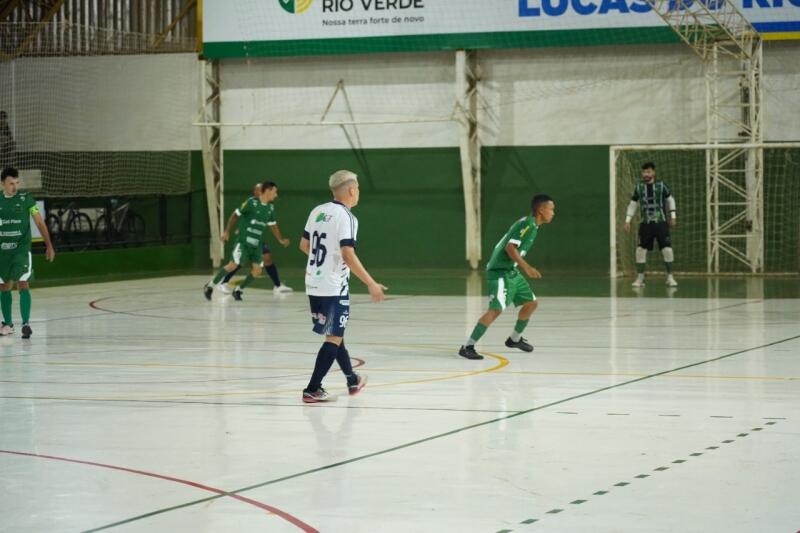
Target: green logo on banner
x: 295, y: 6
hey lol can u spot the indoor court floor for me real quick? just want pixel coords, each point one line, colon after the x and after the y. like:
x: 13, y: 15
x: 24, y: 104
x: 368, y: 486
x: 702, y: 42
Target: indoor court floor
x: 139, y: 406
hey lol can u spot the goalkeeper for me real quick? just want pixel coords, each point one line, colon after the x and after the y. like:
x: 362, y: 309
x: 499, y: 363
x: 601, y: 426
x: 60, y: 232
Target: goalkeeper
x: 654, y: 200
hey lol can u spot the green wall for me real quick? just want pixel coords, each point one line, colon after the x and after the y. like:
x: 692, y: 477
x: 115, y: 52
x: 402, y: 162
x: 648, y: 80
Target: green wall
x: 94, y: 266
x: 199, y: 223
x: 412, y: 210
x: 576, y: 177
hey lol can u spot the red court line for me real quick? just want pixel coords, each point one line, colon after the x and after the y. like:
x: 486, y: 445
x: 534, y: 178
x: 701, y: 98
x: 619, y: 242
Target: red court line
x: 286, y: 516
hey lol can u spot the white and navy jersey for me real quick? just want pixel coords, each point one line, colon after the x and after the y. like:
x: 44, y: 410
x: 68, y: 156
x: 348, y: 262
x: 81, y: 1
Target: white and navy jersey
x: 330, y: 227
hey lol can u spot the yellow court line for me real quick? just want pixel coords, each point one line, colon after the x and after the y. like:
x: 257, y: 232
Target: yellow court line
x: 502, y: 362
x: 451, y: 374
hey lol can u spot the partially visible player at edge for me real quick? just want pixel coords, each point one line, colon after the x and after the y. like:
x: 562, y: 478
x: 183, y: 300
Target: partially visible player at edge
x: 266, y: 254
x: 255, y: 214
x: 16, y: 263
x: 329, y: 240
x: 505, y: 284
x: 654, y: 199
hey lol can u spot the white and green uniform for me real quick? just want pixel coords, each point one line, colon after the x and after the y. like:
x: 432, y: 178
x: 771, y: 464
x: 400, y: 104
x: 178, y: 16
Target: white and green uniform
x: 15, y: 237
x: 652, y: 198
x: 506, y: 285
x: 254, y: 217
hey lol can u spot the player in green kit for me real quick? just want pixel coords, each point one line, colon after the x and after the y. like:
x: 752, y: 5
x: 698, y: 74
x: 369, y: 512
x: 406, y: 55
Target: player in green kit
x: 506, y: 284
x: 255, y: 214
x: 16, y: 210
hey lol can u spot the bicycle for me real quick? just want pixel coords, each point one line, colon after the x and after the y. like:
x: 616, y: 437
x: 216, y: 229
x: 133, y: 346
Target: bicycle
x: 127, y: 227
x: 69, y: 226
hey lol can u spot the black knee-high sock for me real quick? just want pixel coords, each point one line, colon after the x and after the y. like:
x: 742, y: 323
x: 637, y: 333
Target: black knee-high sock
x: 230, y: 274
x: 325, y: 358
x: 272, y: 272
x: 343, y: 358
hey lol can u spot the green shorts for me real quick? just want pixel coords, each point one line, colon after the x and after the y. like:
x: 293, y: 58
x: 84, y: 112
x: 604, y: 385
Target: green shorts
x: 244, y: 252
x: 506, y: 288
x: 16, y: 266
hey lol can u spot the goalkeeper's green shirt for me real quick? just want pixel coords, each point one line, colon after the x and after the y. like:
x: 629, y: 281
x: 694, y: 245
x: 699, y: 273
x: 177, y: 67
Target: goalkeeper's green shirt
x: 652, y: 198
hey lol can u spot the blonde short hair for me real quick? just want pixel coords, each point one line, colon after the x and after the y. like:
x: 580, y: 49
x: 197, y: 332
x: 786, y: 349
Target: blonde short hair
x: 340, y: 178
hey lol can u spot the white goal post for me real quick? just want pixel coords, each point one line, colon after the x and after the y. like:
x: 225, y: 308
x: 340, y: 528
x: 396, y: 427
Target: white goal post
x: 715, y: 213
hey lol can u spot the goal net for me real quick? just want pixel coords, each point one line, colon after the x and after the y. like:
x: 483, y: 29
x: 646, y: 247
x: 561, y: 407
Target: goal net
x: 683, y: 169
x: 89, y: 112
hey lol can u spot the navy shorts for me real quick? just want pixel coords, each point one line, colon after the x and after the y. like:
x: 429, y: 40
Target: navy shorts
x: 330, y: 314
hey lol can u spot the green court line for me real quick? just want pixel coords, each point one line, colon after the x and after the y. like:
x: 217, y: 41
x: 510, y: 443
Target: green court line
x: 439, y: 436
x: 725, y: 307
x: 621, y: 484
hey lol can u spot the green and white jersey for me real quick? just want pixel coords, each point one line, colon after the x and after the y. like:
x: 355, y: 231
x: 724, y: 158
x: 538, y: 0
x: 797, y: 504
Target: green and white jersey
x: 15, y: 222
x: 522, y: 233
x: 652, y: 198
x: 253, y: 218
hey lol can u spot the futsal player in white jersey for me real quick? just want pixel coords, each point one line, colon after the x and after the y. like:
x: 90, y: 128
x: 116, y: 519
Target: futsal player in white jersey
x: 329, y: 241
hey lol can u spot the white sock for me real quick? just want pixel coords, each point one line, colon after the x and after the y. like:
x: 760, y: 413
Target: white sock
x: 515, y: 336
x: 470, y: 342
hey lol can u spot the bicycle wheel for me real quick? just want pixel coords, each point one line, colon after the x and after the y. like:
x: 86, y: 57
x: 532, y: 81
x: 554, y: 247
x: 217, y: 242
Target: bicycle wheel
x: 53, y: 224
x: 133, y: 228
x: 101, y: 231
x: 80, y: 230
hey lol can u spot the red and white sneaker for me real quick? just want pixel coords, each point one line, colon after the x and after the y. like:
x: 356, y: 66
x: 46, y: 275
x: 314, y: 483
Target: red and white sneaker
x: 5, y: 329
x: 319, y: 395
x: 354, y: 386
